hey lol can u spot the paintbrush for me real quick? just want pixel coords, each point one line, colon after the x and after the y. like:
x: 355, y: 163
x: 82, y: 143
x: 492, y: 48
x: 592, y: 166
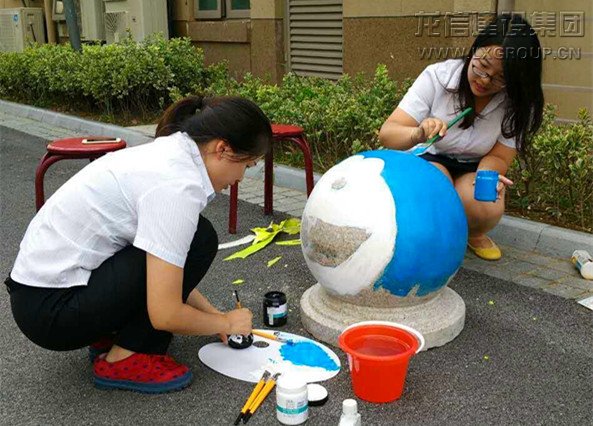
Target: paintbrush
x: 236, y: 293
x: 254, y: 393
x: 260, y: 397
x: 276, y: 336
x: 423, y: 147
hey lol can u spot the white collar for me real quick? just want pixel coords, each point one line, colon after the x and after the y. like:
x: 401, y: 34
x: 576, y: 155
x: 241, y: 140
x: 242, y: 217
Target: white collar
x: 196, y: 156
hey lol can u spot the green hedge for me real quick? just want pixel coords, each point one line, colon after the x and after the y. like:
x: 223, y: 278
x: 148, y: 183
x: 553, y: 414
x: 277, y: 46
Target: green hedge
x: 340, y: 118
x: 117, y: 77
x: 554, y: 181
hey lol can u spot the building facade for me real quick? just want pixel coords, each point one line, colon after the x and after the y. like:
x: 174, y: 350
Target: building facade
x: 329, y: 37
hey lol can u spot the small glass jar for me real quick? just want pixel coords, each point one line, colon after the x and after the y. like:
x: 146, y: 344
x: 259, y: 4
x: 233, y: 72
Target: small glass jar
x: 275, y: 309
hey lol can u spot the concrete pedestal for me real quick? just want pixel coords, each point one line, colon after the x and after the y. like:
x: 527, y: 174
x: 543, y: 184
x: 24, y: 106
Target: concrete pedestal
x: 440, y: 319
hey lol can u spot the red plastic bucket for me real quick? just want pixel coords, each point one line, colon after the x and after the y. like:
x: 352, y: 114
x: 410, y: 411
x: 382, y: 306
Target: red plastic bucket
x: 378, y: 355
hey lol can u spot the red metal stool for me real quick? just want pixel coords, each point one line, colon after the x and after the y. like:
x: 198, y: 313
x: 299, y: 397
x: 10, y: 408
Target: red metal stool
x: 280, y: 132
x: 69, y: 149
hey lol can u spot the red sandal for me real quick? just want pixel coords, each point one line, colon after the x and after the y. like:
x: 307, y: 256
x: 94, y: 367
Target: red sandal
x: 141, y: 373
x: 101, y: 346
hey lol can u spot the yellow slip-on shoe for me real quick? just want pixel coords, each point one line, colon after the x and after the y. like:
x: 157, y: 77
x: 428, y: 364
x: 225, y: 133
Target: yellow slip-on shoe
x: 487, y: 253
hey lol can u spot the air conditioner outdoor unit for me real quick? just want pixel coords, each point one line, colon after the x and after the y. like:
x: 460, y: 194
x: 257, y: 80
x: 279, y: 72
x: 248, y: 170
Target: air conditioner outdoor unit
x: 116, y: 26
x: 19, y: 27
x: 140, y: 17
x: 90, y: 17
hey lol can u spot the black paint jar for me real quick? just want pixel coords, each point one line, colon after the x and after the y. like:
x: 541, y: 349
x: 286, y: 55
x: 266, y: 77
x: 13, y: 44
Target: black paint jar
x: 275, y: 309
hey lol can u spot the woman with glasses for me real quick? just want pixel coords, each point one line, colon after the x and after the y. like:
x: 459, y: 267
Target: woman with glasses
x: 500, y: 79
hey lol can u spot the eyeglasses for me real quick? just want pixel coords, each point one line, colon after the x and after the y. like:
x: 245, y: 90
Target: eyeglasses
x: 497, y: 82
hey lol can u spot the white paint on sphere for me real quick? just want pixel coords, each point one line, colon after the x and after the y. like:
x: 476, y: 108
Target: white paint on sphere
x: 353, y: 194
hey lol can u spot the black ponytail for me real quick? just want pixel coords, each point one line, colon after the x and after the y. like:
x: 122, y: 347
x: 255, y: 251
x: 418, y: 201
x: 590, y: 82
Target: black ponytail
x: 237, y: 121
x: 176, y: 114
x: 522, y: 67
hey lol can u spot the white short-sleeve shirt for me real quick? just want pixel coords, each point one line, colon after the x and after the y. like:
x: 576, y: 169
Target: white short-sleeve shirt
x: 431, y: 96
x: 149, y: 196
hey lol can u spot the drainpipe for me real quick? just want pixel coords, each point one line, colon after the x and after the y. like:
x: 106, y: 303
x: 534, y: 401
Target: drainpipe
x: 72, y: 23
x: 49, y: 23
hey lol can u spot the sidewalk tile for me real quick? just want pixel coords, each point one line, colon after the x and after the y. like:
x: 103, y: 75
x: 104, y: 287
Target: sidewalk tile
x: 250, y: 192
x: 280, y: 197
x: 475, y: 264
x: 510, y: 251
x: 565, y: 291
x: 298, y: 196
x: 563, y: 265
x: 531, y: 281
x: 254, y: 199
x: 279, y: 190
x: 580, y: 283
x: 520, y: 267
x: 536, y: 259
x: 296, y: 213
x: 247, y: 190
x: 549, y: 274
x: 288, y: 205
x: 499, y: 272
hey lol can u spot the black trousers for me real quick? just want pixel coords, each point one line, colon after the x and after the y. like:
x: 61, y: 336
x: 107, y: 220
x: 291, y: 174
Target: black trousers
x: 454, y: 167
x: 114, y: 301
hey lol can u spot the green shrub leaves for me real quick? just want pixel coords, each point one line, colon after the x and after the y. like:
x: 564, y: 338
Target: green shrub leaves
x: 117, y: 77
x: 554, y: 180
x: 340, y: 118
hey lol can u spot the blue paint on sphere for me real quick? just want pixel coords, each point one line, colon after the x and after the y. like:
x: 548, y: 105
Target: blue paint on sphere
x: 431, y: 225
x: 309, y: 354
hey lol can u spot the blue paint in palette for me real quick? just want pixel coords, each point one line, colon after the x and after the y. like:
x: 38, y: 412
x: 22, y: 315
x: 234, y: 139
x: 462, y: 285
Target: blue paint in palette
x: 308, y: 354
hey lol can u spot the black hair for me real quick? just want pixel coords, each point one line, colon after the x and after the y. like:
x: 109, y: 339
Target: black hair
x: 522, y: 68
x: 235, y: 120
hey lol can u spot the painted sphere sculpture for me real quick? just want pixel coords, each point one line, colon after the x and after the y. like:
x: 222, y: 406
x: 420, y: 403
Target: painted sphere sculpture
x: 384, y: 220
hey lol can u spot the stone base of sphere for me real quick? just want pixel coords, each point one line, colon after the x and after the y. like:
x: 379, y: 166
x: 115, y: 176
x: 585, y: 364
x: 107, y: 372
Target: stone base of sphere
x: 439, y: 318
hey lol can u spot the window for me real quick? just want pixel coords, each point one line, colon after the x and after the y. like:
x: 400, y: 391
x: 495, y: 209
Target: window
x: 218, y: 9
x: 237, y: 8
x: 208, y: 9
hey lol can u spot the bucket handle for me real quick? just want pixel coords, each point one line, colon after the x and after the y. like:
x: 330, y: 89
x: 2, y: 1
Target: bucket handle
x: 415, y: 332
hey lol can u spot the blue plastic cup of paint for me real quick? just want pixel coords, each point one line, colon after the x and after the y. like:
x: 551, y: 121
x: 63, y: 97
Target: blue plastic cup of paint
x: 485, y: 187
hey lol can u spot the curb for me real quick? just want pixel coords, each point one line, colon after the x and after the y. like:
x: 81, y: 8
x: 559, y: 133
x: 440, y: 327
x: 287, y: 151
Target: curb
x: 75, y: 124
x: 511, y: 231
x: 540, y: 237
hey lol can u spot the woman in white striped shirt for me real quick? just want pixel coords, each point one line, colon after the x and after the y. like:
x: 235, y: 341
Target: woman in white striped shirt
x: 115, y: 254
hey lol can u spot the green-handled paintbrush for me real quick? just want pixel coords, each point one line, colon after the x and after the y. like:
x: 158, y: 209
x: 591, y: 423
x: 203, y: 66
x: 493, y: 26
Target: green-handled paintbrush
x: 423, y: 147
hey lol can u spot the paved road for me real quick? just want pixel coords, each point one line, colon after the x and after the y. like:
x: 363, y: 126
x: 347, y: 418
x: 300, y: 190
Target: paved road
x: 525, y: 359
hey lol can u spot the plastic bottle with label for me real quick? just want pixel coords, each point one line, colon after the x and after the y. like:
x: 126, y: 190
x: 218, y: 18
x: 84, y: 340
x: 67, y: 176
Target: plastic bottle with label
x: 583, y: 261
x: 292, y: 403
x: 350, y: 415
